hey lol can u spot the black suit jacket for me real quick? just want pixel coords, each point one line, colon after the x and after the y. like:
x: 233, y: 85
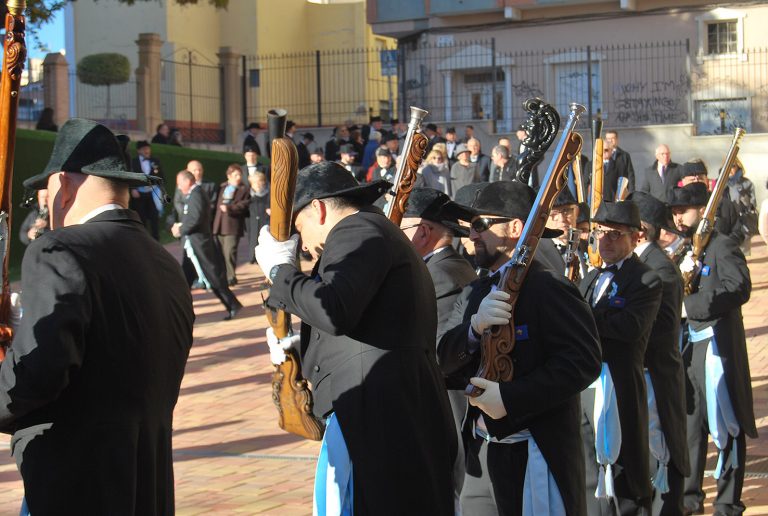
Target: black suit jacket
x: 662, y: 356
x: 157, y: 170
x: 483, y: 167
x: 450, y: 274
x: 560, y: 358
x: 724, y: 285
x: 196, y: 227
x: 649, y: 181
x: 303, y: 153
x: 624, y: 332
x: 620, y: 165
x: 89, y: 386
x: 368, y: 349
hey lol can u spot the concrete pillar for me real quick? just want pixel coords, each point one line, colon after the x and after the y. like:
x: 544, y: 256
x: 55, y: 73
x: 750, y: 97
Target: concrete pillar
x: 232, y: 96
x: 148, y: 113
x: 448, y: 88
x: 56, y: 87
x: 508, y: 97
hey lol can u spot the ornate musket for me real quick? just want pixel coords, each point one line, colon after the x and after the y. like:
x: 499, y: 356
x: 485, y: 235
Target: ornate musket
x: 572, y: 269
x: 497, y: 342
x: 290, y: 391
x: 414, y: 146
x: 596, y: 195
x: 707, y: 224
x: 581, y: 194
x: 10, y: 83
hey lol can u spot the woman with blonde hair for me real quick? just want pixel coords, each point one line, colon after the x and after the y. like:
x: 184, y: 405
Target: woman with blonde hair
x: 435, y: 172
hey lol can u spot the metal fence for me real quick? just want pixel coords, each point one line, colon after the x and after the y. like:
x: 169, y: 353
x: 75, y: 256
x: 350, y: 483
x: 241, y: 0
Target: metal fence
x: 31, y: 101
x: 191, y: 98
x: 322, y: 87
x: 113, y: 106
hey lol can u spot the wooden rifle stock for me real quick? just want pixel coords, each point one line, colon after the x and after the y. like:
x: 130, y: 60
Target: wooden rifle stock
x: 498, y: 342
x: 596, y: 195
x: 581, y: 194
x: 10, y: 83
x: 290, y: 391
x: 572, y: 269
x: 414, y: 146
x: 704, y: 230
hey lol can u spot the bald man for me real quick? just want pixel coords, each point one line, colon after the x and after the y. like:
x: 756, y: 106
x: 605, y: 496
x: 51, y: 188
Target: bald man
x: 661, y: 176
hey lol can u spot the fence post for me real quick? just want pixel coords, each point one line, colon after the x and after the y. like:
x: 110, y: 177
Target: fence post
x: 589, y: 88
x: 232, y: 96
x: 244, y: 92
x: 493, y: 86
x: 56, y: 87
x: 319, y: 90
x: 404, y: 108
x: 148, y: 113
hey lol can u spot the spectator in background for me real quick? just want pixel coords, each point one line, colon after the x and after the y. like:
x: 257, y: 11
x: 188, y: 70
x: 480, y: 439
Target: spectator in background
x: 482, y: 161
x: 463, y: 172
x: 742, y: 194
x: 430, y: 130
x: 307, y: 141
x: 258, y: 209
x: 36, y: 222
x: 369, y: 152
x: 252, y: 164
x: 451, y: 141
x: 162, y: 134
x: 375, y: 124
x: 762, y: 220
x: 435, y: 174
x: 251, y: 132
x: 469, y: 133
x: 392, y: 143
x: 384, y: 168
x: 339, y: 138
x: 356, y: 140
x: 660, y: 177
x: 504, y: 167
x: 348, y: 155
x: 290, y: 129
x: 176, y: 138
x: 504, y: 142
x: 229, y: 221
x: 142, y: 201
x: 45, y: 122
x: 618, y: 165
x: 316, y: 156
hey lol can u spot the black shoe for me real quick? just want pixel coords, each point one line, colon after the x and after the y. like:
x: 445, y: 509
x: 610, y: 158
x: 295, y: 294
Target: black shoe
x: 233, y: 282
x: 197, y: 285
x: 233, y: 312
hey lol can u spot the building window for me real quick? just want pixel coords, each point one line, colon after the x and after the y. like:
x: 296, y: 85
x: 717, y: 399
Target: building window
x: 722, y: 37
x: 722, y: 116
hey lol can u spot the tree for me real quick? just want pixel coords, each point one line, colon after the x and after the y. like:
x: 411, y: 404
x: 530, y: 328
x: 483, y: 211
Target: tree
x: 104, y: 70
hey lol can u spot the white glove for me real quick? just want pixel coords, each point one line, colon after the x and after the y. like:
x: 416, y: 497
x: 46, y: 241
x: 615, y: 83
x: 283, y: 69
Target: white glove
x: 278, y: 347
x: 493, y: 311
x: 270, y: 252
x: 688, y: 264
x: 490, y: 400
x: 16, y: 311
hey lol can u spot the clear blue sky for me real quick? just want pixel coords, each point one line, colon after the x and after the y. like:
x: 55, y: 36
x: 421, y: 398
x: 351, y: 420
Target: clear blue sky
x: 50, y: 34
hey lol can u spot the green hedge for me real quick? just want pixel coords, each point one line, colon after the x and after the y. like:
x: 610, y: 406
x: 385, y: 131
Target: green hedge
x: 33, y: 148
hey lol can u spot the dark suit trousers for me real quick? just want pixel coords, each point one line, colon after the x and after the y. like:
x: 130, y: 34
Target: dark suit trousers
x: 190, y: 273
x: 728, y: 499
x: 226, y: 297
x: 477, y: 497
x: 506, y: 467
x: 228, y: 245
x: 671, y: 502
x: 458, y: 408
x: 623, y: 504
x: 144, y: 205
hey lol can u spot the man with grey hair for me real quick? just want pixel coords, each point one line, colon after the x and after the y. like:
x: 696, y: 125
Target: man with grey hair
x: 503, y: 169
x: 483, y: 162
x: 661, y: 176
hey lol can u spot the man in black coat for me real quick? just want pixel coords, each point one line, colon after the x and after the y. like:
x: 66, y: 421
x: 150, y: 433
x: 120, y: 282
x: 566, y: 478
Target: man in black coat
x: 721, y: 285
x: 617, y: 163
x: 661, y: 176
x: 625, y: 299
x: 481, y: 161
x: 89, y: 386
x: 532, y: 420
x: 663, y: 362
x: 143, y: 197
x: 367, y: 344
x: 426, y: 223
x: 302, y: 149
x: 195, y: 231
x: 251, y: 132
x: 727, y: 216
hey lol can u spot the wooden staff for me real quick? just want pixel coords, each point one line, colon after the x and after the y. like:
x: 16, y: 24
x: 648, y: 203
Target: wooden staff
x: 290, y: 391
x: 10, y: 83
x: 596, y: 196
x: 414, y: 146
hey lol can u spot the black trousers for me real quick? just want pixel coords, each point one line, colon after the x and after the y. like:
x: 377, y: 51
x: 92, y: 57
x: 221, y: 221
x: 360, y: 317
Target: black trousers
x: 477, y: 496
x: 144, y: 205
x: 226, y: 297
x: 624, y: 503
x: 731, y: 481
x: 459, y: 409
x: 506, y: 468
x: 671, y: 502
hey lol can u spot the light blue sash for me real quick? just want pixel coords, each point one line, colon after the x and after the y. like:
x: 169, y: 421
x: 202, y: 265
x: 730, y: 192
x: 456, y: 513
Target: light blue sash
x: 607, y: 432
x: 721, y: 417
x: 656, y: 440
x: 540, y: 492
x: 333, y: 477
x: 196, y: 263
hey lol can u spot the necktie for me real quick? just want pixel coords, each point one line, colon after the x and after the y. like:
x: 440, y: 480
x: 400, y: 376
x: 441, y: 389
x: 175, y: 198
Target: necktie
x: 663, y: 171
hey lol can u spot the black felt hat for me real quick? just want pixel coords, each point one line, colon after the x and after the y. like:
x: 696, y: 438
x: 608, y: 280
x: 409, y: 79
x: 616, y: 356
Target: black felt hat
x: 694, y: 168
x: 467, y: 194
x: 565, y: 198
x: 329, y: 179
x: 431, y: 127
x: 375, y: 119
x: 653, y: 211
x: 347, y: 148
x: 434, y: 205
x: 253, y: 125
x: 694, y: 194
x: 308, y: 136
x: 89, y: 148
x: 511, y: 199
x: 583, y: 213
x: 624, y: 212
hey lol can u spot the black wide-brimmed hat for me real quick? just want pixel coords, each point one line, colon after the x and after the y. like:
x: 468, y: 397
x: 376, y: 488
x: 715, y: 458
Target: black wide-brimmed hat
x: 565, y: 198
x: 693, y: 194
x: 511, y: 199
x: 694, y: 168
x: 253, y: 125
x: 625, y: 213
x: 467, y: 194
x: 87, y: 147
x: 434, y: 205
x: 653, y: 211
x: 347, y: 148
x: 329, y: 179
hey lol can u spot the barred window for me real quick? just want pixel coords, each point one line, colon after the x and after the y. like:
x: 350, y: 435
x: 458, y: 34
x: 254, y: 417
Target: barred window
x: 722, y: 37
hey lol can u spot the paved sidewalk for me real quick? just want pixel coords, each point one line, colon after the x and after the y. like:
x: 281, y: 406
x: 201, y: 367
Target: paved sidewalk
x: 232, y: 458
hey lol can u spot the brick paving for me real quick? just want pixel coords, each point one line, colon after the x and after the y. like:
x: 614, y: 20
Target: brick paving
x: 232, y: 458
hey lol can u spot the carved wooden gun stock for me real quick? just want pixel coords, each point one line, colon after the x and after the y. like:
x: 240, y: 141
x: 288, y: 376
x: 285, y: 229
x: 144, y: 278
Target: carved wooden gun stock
x: 497, y: 342
x: 414, y: 146
x: 703, y: 233
x: 596, y: 196
x: 290, y: 391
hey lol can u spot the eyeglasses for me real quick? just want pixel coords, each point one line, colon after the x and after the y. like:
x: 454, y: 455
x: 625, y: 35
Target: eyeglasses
x: 481, y: 224
x: 612, y: 234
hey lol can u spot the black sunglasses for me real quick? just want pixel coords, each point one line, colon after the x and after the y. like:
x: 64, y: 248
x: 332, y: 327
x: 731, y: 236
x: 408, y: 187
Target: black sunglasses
x: 481, y: 224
